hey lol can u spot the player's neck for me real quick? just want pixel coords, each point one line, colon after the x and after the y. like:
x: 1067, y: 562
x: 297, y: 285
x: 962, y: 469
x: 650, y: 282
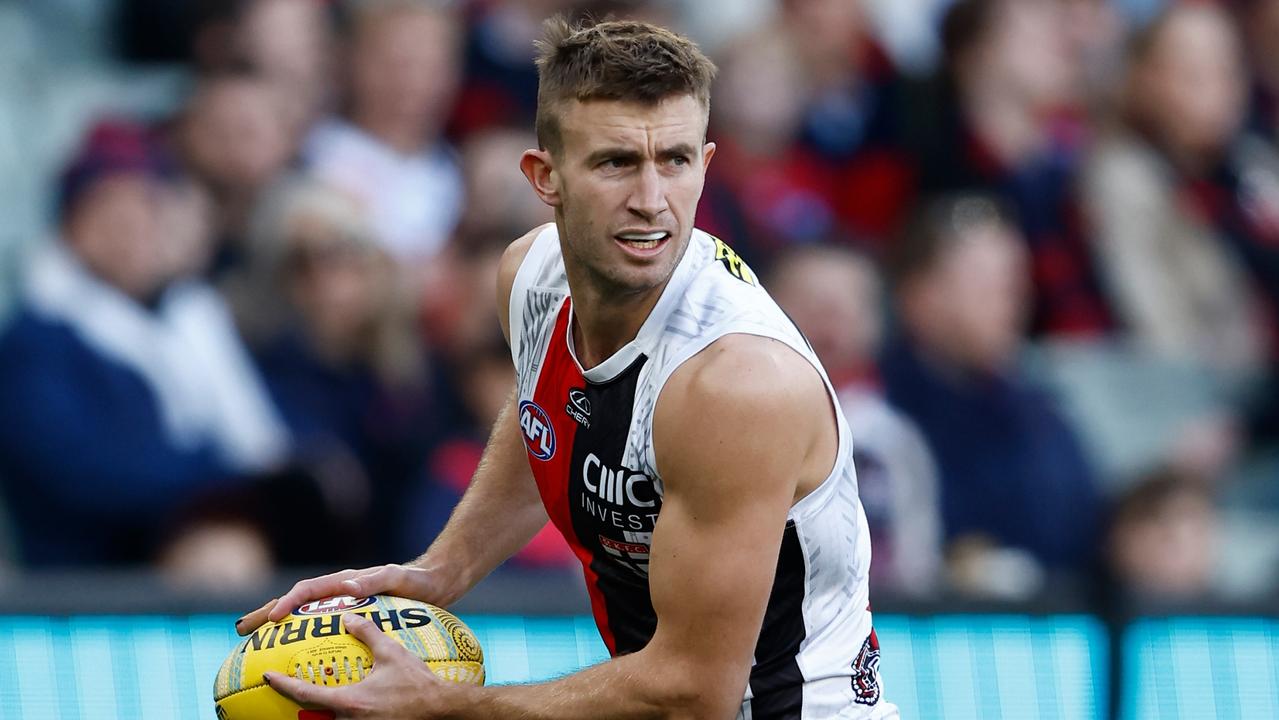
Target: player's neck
x: 604, y: 323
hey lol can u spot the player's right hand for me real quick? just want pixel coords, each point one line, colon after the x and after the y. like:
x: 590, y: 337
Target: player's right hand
x: 401, y: 580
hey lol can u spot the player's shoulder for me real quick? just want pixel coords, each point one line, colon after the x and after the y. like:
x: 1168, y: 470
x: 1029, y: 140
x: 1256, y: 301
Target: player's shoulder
x: 717, y: 288
x: 743, y: 375
x: 515, y: 253
x: 744, y: 402
x: 723, y: 297
x: 509, y: 267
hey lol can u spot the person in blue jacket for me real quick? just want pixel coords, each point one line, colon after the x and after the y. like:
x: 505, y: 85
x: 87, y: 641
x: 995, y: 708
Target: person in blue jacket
x: 1014, y: 476
x: 124, y: 390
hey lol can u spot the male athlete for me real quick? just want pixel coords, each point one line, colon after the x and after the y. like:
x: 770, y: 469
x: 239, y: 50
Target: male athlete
x: 681, y: 433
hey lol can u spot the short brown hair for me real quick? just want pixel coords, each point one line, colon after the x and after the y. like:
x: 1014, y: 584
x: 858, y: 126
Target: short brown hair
x: 613, y: 60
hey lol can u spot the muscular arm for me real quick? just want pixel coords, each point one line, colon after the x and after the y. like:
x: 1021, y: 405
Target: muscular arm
x: 741, y: 431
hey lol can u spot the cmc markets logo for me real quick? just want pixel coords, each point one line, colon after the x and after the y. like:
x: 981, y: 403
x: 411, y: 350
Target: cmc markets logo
x: 339, y: 604
x: 579, y: 407
x: 618, y: 486
x: 539, y: 436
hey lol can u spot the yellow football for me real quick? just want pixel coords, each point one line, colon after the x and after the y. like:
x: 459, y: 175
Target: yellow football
x: 312, y: 645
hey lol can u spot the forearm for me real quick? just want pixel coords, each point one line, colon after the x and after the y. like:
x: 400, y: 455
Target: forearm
x: 631, y: 687
x: 499, y: 513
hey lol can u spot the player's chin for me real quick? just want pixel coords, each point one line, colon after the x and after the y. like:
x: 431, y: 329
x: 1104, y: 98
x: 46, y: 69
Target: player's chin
x: 634, y: 277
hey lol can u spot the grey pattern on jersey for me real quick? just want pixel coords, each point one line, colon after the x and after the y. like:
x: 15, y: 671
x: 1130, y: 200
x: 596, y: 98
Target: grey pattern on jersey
x: 534, y: 336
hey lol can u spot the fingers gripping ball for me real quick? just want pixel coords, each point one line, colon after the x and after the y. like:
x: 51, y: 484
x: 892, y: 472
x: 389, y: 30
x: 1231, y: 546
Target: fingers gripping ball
x: 312, y: 645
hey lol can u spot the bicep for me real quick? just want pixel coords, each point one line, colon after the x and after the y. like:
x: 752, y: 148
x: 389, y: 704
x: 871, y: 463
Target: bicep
x: 711, y: 571
x: 730, y: 462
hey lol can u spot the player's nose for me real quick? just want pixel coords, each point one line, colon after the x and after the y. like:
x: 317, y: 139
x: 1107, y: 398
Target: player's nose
x: 648, y: 194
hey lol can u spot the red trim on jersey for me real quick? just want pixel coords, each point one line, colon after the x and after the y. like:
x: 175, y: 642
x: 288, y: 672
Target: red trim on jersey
x: 560, y: 373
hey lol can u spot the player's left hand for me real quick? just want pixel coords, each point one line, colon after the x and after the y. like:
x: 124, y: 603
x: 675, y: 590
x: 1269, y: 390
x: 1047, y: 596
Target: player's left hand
x: 400, y: 685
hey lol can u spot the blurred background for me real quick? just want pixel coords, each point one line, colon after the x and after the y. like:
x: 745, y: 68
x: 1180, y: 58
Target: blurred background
x: 247, y: 324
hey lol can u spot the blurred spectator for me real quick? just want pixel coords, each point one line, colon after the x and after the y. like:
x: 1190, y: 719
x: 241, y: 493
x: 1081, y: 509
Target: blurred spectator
x: 459, y: 310
x: 853, y: 116
x: 501, y: 80
x: 1013, y: 474
x: 1009, y: 122
x: 806, y: 120
x: 830, y: 41
x: 222, y: 556
x: 834, y: 297
x: 1260, y: 22
x: 290, y: 42
x: 1094, y: 32
x: 1185, y: 212
x: 484, y: 378
x: 1164, y: 537
x: 188, y: 216
x: 127, y: 395
x: 763, y: 190
x: 234, y: 138
x: 498, y: 197
x: 345, y: 364
x: 404, y: 68
x: 908, y: 31
x: 458, y: 303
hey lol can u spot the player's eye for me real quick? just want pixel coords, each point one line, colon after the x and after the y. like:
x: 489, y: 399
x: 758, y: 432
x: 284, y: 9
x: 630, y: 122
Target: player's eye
x: 616, y: 163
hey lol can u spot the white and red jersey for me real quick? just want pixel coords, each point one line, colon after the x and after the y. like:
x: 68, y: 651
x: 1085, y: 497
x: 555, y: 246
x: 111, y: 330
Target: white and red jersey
x: 589, y: 436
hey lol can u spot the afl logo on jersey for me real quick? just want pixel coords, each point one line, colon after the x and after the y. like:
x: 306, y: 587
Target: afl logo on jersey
x: 539, y: 436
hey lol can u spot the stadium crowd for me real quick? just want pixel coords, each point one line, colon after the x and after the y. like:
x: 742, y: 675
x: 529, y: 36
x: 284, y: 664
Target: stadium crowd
x: 1035, y: 243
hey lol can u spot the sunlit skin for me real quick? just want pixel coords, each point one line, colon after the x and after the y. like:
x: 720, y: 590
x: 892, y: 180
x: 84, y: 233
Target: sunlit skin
x: 622, y: 167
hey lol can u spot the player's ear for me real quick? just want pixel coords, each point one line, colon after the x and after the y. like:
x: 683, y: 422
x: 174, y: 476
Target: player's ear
x: 539, y: 167
x: 708, y: 152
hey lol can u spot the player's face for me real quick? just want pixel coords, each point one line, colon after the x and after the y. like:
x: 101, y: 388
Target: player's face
x: 628, y: 179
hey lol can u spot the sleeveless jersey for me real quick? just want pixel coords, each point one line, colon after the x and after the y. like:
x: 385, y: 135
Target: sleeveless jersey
x: 589, y: 437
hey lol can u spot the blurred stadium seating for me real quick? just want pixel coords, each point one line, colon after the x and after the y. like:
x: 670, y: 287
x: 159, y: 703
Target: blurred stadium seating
x: 1170, y: 613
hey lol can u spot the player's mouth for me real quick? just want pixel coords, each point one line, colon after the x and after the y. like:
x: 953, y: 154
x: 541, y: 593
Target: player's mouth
x: 643, y: 243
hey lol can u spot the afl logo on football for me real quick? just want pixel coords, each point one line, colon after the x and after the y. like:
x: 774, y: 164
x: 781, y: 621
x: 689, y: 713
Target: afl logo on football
x: 339, y: 604
x: 539, y: 436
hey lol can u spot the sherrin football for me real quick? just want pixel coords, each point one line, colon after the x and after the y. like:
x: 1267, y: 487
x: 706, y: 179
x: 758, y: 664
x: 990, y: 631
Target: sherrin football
x: 311, y: 644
